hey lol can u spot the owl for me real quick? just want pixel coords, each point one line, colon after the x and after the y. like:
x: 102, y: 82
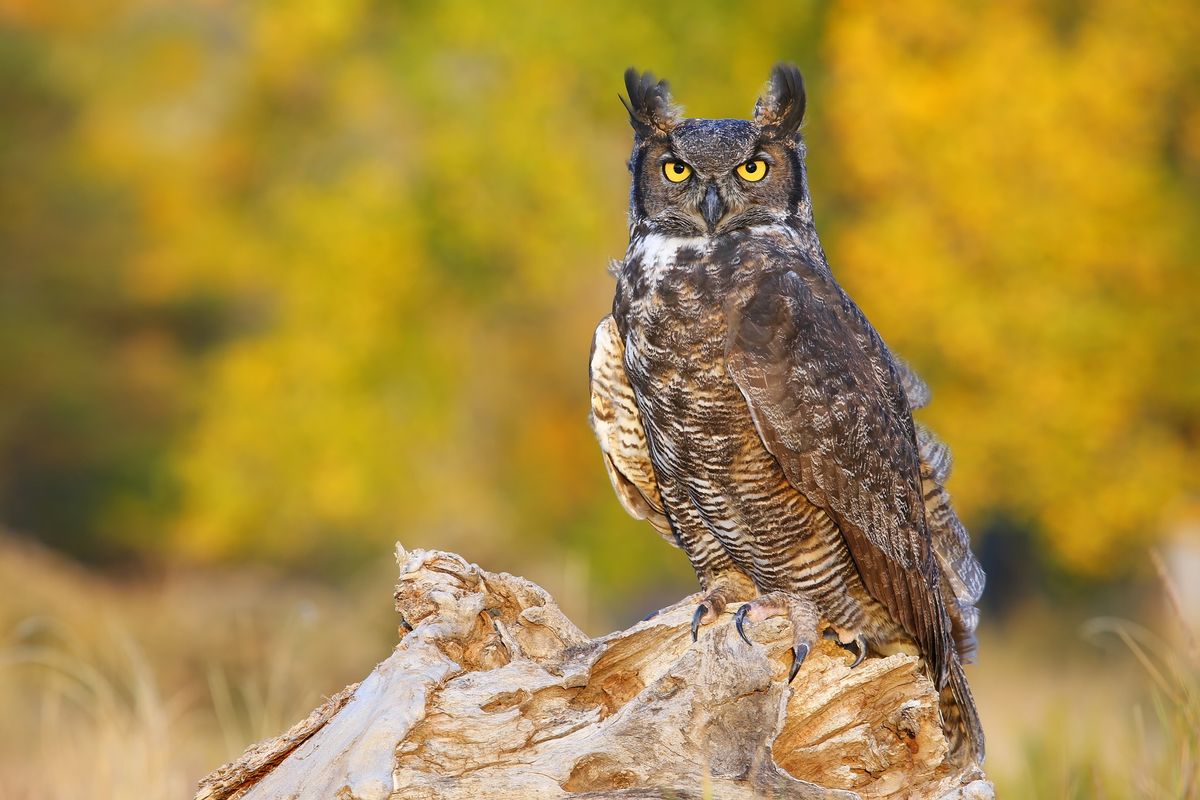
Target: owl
x: 748, y: 410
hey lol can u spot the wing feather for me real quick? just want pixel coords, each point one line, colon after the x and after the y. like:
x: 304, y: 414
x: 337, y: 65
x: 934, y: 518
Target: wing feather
x: 618, y: 426
x: 962, y: 575
x: 829, y: 403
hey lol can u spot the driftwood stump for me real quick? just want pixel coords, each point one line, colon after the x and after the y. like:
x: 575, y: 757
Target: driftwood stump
x: 494, y: 693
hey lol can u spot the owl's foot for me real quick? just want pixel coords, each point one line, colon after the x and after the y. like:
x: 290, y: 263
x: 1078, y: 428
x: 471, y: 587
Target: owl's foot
x: 722, y: 591
x: 799, y: 609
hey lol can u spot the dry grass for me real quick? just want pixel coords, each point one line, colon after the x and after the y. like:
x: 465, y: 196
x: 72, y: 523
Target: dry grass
x: 1106, y: 708
x: 135, y: 689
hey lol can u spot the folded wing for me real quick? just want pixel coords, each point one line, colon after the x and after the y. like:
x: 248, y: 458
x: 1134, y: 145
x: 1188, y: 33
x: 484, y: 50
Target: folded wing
x: 618, y: 425
x: 962, y: 576
x: 829, y: 403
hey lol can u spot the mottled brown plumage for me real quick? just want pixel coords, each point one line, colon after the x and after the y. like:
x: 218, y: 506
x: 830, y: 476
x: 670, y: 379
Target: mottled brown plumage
x: 749, y: 411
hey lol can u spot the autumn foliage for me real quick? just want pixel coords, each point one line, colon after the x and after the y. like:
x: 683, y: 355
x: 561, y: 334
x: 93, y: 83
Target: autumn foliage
x: 293, y: 281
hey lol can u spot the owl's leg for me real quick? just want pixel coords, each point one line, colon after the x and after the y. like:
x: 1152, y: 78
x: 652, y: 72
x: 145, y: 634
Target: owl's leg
x: 799, y: 609
x: 730, y: 586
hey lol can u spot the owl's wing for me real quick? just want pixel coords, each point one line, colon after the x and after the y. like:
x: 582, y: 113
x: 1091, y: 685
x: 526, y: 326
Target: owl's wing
x: 618, y: 426
x: 829, y: 403
x: 915, y: 388
x: 962, y: 575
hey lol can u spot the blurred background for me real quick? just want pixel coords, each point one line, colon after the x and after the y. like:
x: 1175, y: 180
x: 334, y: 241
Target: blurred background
x: 282, y: 284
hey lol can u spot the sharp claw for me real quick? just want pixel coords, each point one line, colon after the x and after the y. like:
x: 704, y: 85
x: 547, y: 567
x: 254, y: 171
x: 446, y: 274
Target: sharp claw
x: 700, y: 609
x: 799, y: 653
x: 738, y: 619
x: 860, y: 647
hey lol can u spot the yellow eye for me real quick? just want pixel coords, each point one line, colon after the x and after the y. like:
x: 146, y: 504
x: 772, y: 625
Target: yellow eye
x: 677, y: 171
x: 753, y: 171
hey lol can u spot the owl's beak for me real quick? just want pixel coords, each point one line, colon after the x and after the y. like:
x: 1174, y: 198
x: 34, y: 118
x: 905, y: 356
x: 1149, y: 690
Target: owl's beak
x: 712, y: 207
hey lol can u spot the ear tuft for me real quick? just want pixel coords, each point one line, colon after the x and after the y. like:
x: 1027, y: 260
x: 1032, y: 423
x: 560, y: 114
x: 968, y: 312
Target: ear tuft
x: 651, y: 109
x: 781, y: 108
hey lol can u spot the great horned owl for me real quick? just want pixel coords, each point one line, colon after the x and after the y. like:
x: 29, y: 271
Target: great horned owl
x: 749, y: 411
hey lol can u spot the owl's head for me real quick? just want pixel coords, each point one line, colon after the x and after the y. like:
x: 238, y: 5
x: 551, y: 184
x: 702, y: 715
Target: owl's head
x: 703, y: 177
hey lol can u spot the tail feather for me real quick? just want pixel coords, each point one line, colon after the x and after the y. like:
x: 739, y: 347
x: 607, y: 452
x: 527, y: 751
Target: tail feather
x: 960, y: 717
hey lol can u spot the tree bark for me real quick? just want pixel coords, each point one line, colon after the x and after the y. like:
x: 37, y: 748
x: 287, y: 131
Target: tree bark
x: 494, y: 693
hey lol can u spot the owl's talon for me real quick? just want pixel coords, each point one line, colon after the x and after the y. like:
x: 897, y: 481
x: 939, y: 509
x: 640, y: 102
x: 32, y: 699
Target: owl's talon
x: 799, y: 653
x: 858, y: 647
x: 739, y: 618
x: 696, y: 617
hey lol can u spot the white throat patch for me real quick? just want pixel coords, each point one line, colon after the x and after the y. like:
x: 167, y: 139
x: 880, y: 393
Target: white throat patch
x: 658, y: 254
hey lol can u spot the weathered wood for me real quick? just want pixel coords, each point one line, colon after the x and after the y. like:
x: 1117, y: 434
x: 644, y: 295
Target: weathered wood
x: 494, y: 693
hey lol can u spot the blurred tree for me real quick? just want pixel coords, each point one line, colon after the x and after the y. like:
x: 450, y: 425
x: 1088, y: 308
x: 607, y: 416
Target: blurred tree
x: 293, y: 282
x: 1016, y: 210
x: 92, y: 373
